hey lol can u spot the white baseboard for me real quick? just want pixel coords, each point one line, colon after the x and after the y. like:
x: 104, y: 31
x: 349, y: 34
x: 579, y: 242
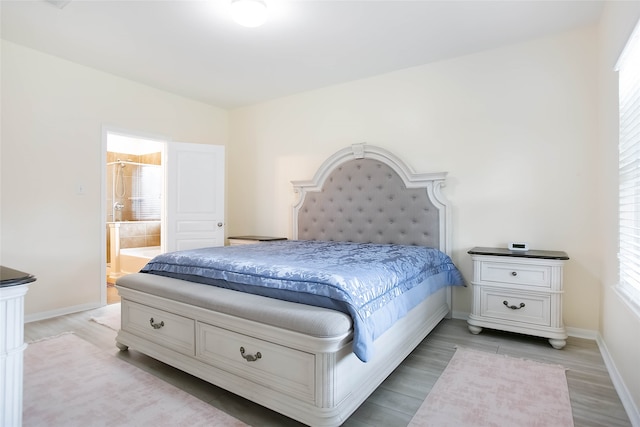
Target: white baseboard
x: 587, y: 334
x: 618, y: 383
x: 60, y: 312
x: 460, y: 315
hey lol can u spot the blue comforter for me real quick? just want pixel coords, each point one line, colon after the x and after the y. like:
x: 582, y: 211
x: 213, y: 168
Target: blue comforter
x: 376, y: 284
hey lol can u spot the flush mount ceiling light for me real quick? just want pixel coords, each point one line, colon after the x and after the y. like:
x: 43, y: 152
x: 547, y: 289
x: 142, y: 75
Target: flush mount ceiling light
x: 60, y: 4
x: 249, y: 13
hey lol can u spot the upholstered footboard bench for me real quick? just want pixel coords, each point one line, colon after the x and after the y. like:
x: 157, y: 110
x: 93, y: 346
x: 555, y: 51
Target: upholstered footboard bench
x: 293, y: 358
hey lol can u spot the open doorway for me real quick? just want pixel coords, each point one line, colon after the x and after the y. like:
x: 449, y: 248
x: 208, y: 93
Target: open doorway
x: 134, y: 183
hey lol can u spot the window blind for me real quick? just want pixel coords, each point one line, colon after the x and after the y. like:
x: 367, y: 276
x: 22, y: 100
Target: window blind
x: 146, y: 193
x: 629, y: 169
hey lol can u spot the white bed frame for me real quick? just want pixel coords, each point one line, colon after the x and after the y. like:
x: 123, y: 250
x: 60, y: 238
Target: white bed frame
x: 316, y: 380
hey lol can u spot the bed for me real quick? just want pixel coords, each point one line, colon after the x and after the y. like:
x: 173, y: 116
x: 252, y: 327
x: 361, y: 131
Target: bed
x: 315, y: 357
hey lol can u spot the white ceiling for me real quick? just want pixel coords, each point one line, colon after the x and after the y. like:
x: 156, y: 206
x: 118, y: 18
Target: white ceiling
x: 192, y: 48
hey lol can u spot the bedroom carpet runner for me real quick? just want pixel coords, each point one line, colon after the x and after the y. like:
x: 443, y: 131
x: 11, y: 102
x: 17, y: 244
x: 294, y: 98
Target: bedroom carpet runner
x: 70, y: 382
x: 110, y: 318
x: 488, y: 389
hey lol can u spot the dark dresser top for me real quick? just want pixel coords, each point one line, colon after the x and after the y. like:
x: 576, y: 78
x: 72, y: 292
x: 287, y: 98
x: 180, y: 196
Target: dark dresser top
x: 11, y: 277
x: 258, y: 238
x: 532, y: 253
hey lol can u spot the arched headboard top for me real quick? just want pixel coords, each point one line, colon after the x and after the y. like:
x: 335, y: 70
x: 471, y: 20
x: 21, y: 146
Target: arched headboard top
x: 364, y: 193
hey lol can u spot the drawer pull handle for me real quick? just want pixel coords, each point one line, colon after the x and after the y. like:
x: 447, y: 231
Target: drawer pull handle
x: 513, y: 307
x: 156, y: 325
x: 250, y: 357
x: 514, y: 273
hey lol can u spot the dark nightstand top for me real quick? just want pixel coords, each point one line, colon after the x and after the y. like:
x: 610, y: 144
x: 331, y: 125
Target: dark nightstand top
x: 258, y: 238
x: 522, y: 254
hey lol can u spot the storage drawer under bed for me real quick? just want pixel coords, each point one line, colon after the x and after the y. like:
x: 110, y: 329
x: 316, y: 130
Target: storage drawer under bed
x: 274, y: 366
x: 159, y: 326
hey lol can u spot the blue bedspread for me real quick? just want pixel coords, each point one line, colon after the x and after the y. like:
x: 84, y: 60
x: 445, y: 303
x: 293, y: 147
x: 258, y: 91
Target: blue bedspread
x: 367, y: 281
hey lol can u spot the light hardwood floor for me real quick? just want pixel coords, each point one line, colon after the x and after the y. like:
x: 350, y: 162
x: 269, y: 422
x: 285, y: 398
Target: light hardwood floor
x: 594, y: 400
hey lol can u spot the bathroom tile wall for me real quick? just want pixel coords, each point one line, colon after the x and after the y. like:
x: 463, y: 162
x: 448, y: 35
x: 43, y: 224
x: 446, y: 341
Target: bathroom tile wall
x: 138, y: 233
x: 135, y: 235
x: 126, y: 214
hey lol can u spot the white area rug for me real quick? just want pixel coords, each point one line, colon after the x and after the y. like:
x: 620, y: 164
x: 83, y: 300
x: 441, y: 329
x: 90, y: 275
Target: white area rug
x: 488, y: 389
x: 70, y: 382
x: 110, y: 318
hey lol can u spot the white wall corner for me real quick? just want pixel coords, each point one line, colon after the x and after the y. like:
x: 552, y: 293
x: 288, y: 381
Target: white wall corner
x: 463, y: 315
x: 618, y: 383
x: 586, y: 334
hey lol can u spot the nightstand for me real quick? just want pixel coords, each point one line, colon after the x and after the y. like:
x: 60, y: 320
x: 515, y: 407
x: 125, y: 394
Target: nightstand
x: 518, y: 292
x: 250, y: 240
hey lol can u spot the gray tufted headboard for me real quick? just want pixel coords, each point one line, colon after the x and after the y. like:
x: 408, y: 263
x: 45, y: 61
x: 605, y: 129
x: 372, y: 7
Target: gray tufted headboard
x: 365, y: 194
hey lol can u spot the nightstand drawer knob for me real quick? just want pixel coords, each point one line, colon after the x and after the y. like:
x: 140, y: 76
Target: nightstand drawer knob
x: 514, y: 273
x: 513, y: 307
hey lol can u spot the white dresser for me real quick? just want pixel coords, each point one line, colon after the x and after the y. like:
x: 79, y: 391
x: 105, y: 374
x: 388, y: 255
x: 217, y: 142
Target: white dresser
x: 518, y: 292
x: 13, y: 288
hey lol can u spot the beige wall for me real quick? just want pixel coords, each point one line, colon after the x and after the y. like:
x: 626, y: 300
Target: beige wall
x: 619, y: 327
x: 53, y: 112
x: 515, y: 128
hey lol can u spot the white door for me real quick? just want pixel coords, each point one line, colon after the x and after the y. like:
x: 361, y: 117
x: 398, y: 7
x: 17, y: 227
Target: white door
x: 194, y: 196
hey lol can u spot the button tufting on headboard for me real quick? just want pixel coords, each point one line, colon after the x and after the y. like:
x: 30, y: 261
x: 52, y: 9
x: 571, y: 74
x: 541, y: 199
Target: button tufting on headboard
x: 367, y: 192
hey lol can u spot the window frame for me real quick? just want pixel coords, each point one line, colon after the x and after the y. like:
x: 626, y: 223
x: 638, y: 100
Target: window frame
x: 628, y: 67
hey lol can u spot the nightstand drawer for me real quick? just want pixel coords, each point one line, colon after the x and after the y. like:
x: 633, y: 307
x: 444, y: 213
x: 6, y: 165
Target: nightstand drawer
x: 515, y: 306
x: 515, y: 273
